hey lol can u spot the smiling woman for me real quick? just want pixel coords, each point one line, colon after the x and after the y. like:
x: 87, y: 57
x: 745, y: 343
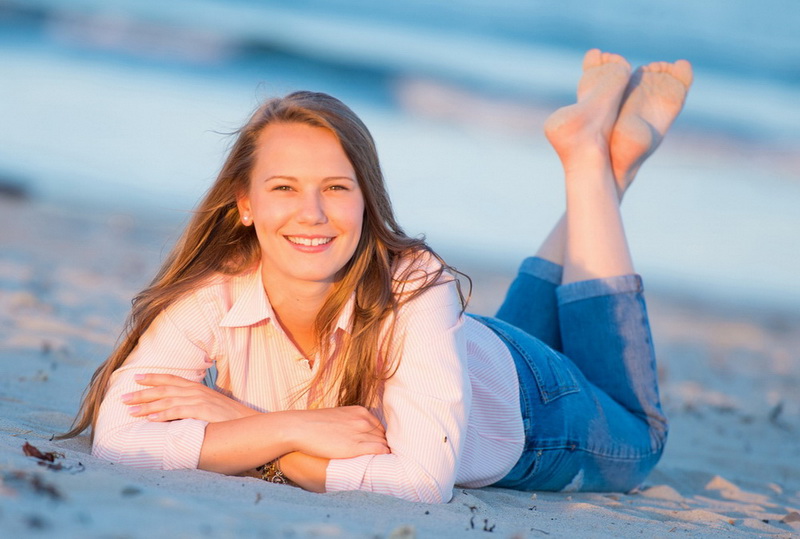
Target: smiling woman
x: 345, y: 360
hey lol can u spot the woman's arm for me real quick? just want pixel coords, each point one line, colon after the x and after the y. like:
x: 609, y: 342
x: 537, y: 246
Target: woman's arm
x: 156, y: 414
x: 238, y: 438
x: 425, y: 406
x: 165, y: 348
x: 235, y: 446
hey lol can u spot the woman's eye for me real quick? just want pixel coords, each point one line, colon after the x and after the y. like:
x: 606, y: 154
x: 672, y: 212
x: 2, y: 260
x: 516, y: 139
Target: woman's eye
x: 282, y: 188
x: 338, y: 188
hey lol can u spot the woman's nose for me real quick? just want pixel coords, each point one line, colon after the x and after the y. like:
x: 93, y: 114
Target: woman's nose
x: 311, y: 209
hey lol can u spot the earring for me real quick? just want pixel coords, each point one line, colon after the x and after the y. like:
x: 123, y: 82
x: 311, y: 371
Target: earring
x: 245, y: 219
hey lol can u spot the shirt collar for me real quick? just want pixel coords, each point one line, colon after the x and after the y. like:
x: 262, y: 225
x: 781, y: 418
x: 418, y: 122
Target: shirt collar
x: 253, y: 306
x: 346, y: 316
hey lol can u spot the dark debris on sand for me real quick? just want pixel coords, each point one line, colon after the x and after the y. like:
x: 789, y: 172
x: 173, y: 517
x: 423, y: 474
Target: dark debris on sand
x: 48, y: 459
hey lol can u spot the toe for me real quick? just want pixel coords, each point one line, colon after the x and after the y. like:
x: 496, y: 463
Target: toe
x: 596, y: 57
x: 654, y: 67
x: 682, y: 70
x: 592, y: 58
x: 610, y: 57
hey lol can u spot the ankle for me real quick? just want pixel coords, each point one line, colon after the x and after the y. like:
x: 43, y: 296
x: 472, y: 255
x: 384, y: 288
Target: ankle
x: 586, y: 157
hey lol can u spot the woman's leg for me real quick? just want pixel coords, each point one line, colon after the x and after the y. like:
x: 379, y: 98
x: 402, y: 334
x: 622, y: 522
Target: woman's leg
x: 595, y: 418
x: 579, y: 133
x: 595, y: 245
x: 531, y: 302
x: 579, y: 436
x: 625, y: 367
x: 653, y: 98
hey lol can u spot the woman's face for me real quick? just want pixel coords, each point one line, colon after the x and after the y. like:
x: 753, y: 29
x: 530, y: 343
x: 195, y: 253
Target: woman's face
x: 305, y: 203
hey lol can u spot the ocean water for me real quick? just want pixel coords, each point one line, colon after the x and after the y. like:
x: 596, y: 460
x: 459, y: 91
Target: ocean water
x: 123, y: 104
x: 528, y: 49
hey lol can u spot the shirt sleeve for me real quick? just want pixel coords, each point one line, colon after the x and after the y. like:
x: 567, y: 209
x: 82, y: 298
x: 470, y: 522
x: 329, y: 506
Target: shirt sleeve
x: 425, y: 406
x: 177, y: 342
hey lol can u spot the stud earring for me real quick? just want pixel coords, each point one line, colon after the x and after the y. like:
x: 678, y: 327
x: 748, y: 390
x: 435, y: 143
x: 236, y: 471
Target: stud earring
x: 245, y: 219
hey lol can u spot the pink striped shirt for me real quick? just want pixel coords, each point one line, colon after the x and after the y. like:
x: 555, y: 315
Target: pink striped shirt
x: 451, y: 410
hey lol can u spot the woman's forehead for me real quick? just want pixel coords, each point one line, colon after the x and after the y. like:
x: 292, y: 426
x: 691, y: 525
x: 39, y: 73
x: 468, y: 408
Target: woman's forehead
x: 296, y: 149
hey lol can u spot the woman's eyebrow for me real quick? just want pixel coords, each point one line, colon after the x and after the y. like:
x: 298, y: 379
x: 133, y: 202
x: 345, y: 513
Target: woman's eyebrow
x: 339, y: 178
x: 294, y: 179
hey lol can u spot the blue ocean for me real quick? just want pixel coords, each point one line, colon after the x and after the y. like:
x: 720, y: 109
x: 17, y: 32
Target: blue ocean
x: 125, y: 104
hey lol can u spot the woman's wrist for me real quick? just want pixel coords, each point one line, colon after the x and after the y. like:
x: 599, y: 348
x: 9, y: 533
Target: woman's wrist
x: 304, y: 470
x: 232, y: 447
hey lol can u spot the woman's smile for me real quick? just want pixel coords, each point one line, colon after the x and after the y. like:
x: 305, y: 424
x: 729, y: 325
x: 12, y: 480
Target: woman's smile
x: 302, y: 241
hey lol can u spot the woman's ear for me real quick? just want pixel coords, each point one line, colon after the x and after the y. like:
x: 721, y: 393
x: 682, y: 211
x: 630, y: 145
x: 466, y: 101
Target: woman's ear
x: 245, y: 215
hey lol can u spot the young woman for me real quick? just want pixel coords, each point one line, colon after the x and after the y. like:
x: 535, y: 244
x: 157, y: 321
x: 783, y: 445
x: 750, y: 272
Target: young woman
x: 344, y: 358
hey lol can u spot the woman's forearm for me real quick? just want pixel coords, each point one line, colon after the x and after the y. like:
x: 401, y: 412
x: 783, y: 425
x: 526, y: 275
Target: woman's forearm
x: 235, y: 446
x: 238, y: 445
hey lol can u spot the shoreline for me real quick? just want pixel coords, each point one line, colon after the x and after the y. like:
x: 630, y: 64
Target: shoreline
x: 161, y: 227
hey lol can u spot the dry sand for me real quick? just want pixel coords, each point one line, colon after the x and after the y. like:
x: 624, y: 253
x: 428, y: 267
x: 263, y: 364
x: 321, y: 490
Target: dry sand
x: 730, y: 385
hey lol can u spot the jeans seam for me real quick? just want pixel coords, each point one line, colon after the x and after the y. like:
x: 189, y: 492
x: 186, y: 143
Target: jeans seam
x: 547, y: 396
x: 574, y: 447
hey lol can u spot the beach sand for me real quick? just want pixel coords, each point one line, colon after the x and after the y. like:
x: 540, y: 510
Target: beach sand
x: 729, y: 383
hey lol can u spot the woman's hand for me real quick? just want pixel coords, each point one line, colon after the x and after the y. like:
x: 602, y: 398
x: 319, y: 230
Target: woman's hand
x: 172, y: 397
x: 338, y: 433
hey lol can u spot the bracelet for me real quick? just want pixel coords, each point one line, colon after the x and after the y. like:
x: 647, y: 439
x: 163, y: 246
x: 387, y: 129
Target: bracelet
x: 271, y: 472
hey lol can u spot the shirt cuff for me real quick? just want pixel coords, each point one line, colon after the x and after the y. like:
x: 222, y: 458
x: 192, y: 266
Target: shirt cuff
x: 183, y: 443
x: 346, y: 474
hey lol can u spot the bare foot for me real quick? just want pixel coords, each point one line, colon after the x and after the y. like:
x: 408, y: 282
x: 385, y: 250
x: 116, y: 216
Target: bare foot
x: 587, y: 124
x: 653, y: 99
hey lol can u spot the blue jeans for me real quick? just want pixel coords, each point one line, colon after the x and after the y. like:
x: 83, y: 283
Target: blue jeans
x: 588, y: 383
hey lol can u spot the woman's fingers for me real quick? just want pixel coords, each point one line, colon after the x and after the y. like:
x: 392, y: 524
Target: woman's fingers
x: 161, y: 386
x: 341, y: 432
x: 147, y: 407
x: 170, y: 397
x: 372, y: 448
x: 171, y: 413
x: 147, y: 395
x: 157, y: 393
x: 376, y: 445
x: 213, y: 409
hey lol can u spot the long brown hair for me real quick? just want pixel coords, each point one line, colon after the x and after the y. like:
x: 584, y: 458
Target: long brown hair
x: 216, y: 241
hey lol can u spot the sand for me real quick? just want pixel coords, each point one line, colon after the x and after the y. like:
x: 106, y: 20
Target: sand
x: 729, y: 381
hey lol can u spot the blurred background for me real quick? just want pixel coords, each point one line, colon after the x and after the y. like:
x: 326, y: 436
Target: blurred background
x: 126, y: 106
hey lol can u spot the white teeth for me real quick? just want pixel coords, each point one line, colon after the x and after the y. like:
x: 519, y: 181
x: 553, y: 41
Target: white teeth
x: 309, y: 242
